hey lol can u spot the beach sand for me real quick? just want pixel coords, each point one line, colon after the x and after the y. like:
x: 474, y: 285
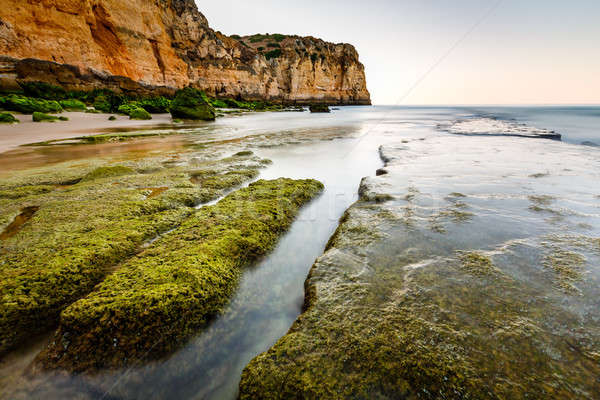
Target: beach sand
x: 80, y: 124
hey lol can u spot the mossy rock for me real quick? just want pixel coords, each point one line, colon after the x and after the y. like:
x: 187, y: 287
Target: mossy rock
x: 140, y: 113
x: 73, y: 105
x: 43, y: 90
x: 107, y: 172
x: 86, y: 224
x: 112, y: 118
x: 7, y: 118
x: 155, y: 105
x: 319, y: 108
x: 41, y: 117
x: 162, y: 297
x: 28, y: 105
x: 189, y: 103
x: 101, y: 103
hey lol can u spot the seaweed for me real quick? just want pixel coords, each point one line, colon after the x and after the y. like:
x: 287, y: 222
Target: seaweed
x: 160, y: 298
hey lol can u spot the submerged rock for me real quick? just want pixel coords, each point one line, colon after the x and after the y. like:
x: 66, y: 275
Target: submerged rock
x: 190, y: 104
x: 447, y: 290
x: 162, y: 297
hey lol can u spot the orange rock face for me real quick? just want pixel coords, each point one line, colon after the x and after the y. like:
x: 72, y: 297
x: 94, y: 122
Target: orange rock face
x: 169, y: 43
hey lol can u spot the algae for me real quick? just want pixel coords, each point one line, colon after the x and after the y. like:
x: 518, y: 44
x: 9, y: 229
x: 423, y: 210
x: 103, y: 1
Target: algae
x: 190, y: 103
x: 161, y: 297
x: 89, y: 220
x: 7, y: 118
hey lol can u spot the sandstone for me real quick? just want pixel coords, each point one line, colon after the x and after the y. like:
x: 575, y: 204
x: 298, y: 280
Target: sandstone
x: 137, y: 46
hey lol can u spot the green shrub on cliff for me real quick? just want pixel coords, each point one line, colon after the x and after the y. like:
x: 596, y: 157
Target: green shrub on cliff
x: 162, y: 297
x: 27, y: 105
x: 190, y: 103
x: 43, y: 90
x: 7, y: 118
x: 273, y: 54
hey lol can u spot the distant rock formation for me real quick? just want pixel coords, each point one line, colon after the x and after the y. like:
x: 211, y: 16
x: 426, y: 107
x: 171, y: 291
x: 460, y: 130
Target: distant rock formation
x: 168, y: 43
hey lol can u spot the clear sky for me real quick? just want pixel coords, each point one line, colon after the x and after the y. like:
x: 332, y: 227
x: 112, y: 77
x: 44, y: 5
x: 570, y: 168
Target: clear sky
x: 446, y: 52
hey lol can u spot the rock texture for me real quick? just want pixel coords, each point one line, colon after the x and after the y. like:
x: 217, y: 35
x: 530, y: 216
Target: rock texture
x: 169, y: 43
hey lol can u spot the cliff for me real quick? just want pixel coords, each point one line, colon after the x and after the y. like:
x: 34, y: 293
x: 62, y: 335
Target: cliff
x: 152, y: 43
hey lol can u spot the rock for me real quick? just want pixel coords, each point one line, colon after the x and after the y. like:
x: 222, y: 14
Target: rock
x: 139, y: 113
x: 137, y: 45
x: 41, y: 117
x: 7, y: 118
x: 319, y: 108
x: 190, y: 104
x: 591, y: 144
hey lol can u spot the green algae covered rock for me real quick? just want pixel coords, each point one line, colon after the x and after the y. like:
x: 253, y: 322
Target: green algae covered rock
x: 28, y: 105
x: 73, y: 105
x: 41, y: 117
x: 134, y: 111
x: 7, y: 118
x: 189, y: 103
x: 163, y: 296
x: 140, y: 113
x: 86, y: 224
x: 43, y: 90
x: 103, y: 104
x: 319, y: 108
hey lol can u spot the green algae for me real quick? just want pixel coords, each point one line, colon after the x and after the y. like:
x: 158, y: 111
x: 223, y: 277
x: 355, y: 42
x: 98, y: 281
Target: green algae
x: 73, y: 105
x: 107, y: 172
x: 81, y: 230
x: 477, y: 264
x: 160, y: 298
x: 27, y: 105
x: 7, y: 118
x: 41, y: 117
x: 190, y: 103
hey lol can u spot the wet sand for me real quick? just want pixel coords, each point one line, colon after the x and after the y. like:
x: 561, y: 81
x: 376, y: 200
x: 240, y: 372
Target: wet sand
x: 26, y: 132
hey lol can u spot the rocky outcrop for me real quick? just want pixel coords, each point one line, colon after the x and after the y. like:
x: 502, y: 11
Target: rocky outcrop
x: 168, y: 43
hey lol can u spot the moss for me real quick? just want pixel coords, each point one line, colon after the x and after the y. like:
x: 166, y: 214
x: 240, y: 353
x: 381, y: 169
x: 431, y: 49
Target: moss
x: 7, y: 118
x: 25, y: 191
x: 319, y: 108
x: 27, y: 105
x: 155, y: 105
x: 43, y: 90
x: 160, y: 298
x: 477, y: 263
x: 82, y: 230
x: 73, y: 105
x: 189, y: 103
x: 41, y: 117
x: 107, y: 172
x: 112, y: 118
x: 140, y: 113
x: 102, y: 104
x: 245, y: 153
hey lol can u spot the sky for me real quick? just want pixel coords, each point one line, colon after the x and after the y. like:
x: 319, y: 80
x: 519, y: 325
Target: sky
x: 441, y: 52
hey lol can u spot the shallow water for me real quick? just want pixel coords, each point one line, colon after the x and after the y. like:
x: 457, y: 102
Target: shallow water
x: 338, y: 149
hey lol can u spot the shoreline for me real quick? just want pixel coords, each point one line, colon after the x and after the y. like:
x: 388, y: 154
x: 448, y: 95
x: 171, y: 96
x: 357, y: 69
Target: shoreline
x: 27, y: 132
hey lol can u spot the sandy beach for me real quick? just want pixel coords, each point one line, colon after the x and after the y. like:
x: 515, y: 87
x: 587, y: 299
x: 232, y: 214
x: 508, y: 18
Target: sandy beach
x: 26, y: 132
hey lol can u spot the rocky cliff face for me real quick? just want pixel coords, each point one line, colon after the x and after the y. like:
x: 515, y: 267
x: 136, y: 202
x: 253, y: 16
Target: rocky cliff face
x: 169, y: 43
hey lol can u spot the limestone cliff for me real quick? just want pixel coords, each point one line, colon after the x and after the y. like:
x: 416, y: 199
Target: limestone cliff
x: 169, y: 43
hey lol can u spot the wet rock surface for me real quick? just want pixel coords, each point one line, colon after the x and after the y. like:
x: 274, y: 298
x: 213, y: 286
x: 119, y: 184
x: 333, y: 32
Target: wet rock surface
x: 87, y: 222
x: 442, y: 281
